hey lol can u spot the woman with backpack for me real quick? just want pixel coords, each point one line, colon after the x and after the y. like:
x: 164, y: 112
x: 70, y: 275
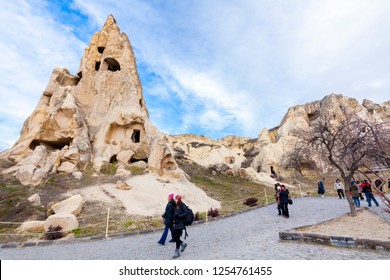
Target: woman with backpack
x: 179, y: 216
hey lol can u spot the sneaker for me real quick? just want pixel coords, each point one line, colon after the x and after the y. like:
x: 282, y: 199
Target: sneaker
x: 160, y: 243
x: 171, y: 241
x: 177, y: 254
x: 183, y: 247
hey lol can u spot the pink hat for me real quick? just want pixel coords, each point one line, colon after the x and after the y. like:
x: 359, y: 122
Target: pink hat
x: 178, y: 198
x: 171, y: 196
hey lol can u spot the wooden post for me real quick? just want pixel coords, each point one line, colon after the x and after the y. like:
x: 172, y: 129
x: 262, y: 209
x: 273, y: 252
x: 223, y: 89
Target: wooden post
x: 108, y: 217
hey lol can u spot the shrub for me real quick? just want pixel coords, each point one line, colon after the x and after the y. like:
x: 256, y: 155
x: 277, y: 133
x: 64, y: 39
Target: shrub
x: 251, y: 201
x: 54, y: 233
x: 213, y: 213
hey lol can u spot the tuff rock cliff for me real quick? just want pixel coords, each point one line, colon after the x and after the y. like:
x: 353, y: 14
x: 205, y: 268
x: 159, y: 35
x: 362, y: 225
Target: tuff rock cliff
x: 254, y: 158
x: 98, y: 116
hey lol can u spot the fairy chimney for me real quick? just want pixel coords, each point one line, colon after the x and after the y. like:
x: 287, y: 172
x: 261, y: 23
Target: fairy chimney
x: 92, y: 117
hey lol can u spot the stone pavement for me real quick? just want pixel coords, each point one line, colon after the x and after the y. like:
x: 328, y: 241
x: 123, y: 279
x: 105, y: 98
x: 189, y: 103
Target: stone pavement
x: 250, y: 235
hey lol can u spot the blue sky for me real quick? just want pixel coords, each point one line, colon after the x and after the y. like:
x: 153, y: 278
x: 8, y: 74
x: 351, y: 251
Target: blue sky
x: 209, y: 67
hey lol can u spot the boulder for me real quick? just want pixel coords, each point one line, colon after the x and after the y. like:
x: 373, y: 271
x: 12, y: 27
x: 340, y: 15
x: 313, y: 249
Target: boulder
x: 71, y: 205
x: 31, y: 226
x: 77, y: 175
x: 66, y: 167
x: 121, y: 172
x: 66, y: 221
x: 35, y: 199
x: 140, y: 164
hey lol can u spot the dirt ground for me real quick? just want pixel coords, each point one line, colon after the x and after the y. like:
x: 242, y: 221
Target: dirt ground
x: 365, y: 225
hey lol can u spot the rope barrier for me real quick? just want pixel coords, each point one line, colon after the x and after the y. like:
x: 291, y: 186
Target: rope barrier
x: 262, y: 197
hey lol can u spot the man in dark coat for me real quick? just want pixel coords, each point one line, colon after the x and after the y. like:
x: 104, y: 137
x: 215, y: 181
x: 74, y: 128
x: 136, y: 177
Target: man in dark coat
x: 284, y: 193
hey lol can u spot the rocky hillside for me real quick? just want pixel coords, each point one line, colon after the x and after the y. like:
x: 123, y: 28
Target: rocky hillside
x: 254, y: 158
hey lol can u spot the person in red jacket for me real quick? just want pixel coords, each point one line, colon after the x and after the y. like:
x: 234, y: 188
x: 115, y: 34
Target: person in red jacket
x: 366, y: 188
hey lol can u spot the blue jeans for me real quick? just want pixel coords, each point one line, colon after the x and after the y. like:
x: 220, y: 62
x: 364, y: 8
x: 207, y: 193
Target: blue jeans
x: 356, y: 200
x: 370, y: 196
x: 165, y: 234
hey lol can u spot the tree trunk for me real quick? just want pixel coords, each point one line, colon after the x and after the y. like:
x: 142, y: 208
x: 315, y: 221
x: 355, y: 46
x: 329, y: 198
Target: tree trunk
x: 347, y: 184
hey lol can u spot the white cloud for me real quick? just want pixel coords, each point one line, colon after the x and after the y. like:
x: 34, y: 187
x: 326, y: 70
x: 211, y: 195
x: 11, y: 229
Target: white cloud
x: 32, y: 43
x: 221, y: 67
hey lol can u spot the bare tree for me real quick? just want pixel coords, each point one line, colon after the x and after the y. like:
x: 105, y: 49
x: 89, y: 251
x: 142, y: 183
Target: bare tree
x: 298, y: 158
x: 348, y: 144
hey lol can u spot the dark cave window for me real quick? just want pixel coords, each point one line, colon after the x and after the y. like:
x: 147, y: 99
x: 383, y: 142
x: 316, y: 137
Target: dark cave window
x: 101, y: 49
x: 136, y: 136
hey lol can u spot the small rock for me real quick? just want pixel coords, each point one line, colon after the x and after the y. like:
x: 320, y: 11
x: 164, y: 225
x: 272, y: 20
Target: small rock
x: 122, y: 185
x: 35, y: 199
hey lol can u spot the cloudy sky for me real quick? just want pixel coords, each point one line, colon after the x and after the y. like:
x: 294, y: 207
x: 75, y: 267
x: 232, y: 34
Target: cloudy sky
x: 209, y: 67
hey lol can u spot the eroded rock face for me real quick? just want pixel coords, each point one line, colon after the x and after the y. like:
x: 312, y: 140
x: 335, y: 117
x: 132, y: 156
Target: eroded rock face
x: 253, y: 158
x: 302, y: 116
x: 98, y: 116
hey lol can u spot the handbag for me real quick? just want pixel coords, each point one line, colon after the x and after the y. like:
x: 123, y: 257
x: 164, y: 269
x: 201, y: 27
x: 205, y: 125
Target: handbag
x: 290, y: 201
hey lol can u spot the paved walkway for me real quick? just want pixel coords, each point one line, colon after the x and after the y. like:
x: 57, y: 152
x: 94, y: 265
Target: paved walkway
x: 250, y: 235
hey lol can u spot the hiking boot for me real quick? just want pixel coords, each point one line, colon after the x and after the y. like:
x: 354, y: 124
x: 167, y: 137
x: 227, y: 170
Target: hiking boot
x: 183, y: 246
x: 177, y: 254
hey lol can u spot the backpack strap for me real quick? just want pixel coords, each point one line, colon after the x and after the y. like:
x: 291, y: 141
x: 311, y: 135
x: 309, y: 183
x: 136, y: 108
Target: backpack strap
x: 186, y: 234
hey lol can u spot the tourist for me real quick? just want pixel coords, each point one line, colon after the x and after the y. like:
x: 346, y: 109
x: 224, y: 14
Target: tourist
x: 339, y: 187
x: 359, y: 185
x: 178, y: 225
x: 277, y: 198
x: 284, y: 194
x: 321, y: 187
x: 355, y: 193
x: 168, y: 220
x: 366, y: 186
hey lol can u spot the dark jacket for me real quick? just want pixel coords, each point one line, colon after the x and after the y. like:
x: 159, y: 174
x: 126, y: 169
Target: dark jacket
x: 354, y: 190
x: 284, y: 196
x: 180, y: 213
x: 321, y: 188
x: 168, y: 214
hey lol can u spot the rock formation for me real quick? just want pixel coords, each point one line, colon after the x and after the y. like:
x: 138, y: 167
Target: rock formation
x: 98, y: 116
x: 272, y: 151
x: 254, y: 158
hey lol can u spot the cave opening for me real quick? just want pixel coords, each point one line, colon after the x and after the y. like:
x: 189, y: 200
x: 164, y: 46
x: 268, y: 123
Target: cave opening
x: 111, y: 64
x: 97, y: 65
x: 51, y: 145
x: 100, y: 49
x: 136, y: 136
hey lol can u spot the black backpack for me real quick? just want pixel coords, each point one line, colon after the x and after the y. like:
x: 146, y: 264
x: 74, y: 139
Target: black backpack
x: 189, y: 218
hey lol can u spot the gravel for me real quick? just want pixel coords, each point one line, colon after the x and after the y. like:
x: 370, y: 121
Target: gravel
x: 249, y: 235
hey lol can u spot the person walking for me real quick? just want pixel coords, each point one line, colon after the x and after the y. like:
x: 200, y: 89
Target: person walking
x: 168, y: 220
x: 355, y: 193
x: 359, y: 185
x: 284, y: 193
x: 368, y: 192
x: 180, y: 213
x: 277, y: 198
x: 339, y: 187
x: 321, y: 187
